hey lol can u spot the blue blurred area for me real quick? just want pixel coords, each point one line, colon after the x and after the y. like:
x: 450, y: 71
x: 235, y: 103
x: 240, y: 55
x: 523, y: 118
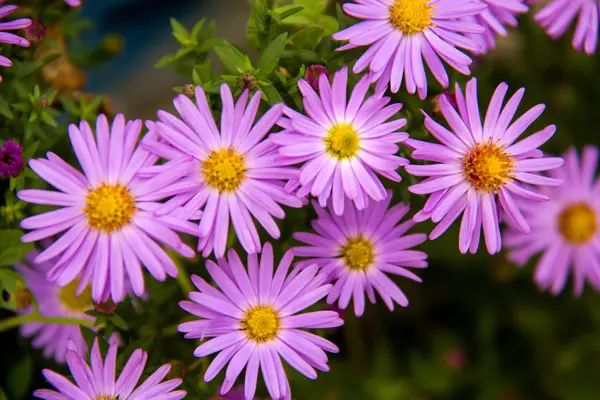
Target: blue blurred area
x: 143, y: 24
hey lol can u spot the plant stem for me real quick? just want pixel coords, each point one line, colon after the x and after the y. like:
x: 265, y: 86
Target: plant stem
x: 183, y: 279
x: 13, y: 322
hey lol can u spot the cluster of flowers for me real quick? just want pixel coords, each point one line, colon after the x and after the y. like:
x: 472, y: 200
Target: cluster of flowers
x: 189, y: 175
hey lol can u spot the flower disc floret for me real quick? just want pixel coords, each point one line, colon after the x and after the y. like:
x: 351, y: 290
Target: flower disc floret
x: 109, y: 207
x: 261, y: 323
x: 224, y: 169
x: 69, y: 298
x: 578, y: 223
x: 342, y: 141
x: 411, y: 16
x: 358, y: 253
x: 488, y: 167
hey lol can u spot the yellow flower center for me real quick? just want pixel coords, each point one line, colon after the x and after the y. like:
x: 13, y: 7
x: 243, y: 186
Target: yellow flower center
x: 261, y: 324
x: 109, y: 207
x: 342, y: 141
x: 106, y: 398
x: 224, y: 169
x: 411, y: 16
x: 68, y: 297
x: 488, y: 167
x: 578, y: 223
x: 358, y: 253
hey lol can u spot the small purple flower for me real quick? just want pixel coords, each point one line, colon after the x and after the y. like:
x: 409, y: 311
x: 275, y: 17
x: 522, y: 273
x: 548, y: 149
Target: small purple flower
x: 73, y: 3
x: 313, y: 73
x: 232, y: 173
x: 557, y: 16
x: 96, y: 380
x: 54, y: 301
x: 498, y: 14
x: 107, y: 213
x: 342, y: 143
x: 565, y: 229
x: 359, y: 249
x: 252, y: 321
x: 402, y: 33
x: 476, y: 164
x: 10, y: 38
x: 11, y: 159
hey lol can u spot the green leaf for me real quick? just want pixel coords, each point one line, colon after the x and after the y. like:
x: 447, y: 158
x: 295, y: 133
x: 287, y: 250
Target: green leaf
x: 48, y: 119
x: 291, y: 11
x: 30, y: 150
x: 197, y: 28
x: 12, y: 250
x: 180, y: 33
x: 19, y: 378
x: 273, y: 96
x: 119, y: 322
x: 5, y: 109
x: 165, y: 61
x: 308, y: 38
x: 270, y: 57
x: 233, y: 60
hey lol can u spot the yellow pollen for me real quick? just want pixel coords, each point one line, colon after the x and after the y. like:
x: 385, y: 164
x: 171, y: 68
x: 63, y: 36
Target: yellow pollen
x: 578, y: 223
x: 68, y: 297
x: 261, y: 324
x: 224, y: 169
x: 488, y: 167
x: 358, y: 253
x: 342, y: 141
x: 109, y: 207
x: 106, y: 398
x: 411, y: 16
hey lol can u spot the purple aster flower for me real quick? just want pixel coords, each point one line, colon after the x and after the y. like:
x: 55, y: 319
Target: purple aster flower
x: 498, y: 14
x: 403, y: 33
x: 565, y: 229
x: 11, y: 159
x: 253, y: 321
x: 232, y: 173
x: 10, y: 38
x: 313, y: 73
x: 557, y: 16
x: 341, y: 143
x: 73, y: 3
x: 54, y: 301
x: 97, y: 380
x: 107, y: 213
x: 358, y: 249
x: 478, y: 164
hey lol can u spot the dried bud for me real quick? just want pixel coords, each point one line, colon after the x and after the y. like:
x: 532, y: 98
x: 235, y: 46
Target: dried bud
x: 436, y: 102
x: 178, y: 370
x: 106, y: 308
x: 23, y: 299
x: 189, y: 91
x: 60, y: 74
x: 456, y: 359
x: 248, y: 81
x: 284, y: 72
x: 36, y: 31
x: 313, y: 73
x: 43, y: 102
